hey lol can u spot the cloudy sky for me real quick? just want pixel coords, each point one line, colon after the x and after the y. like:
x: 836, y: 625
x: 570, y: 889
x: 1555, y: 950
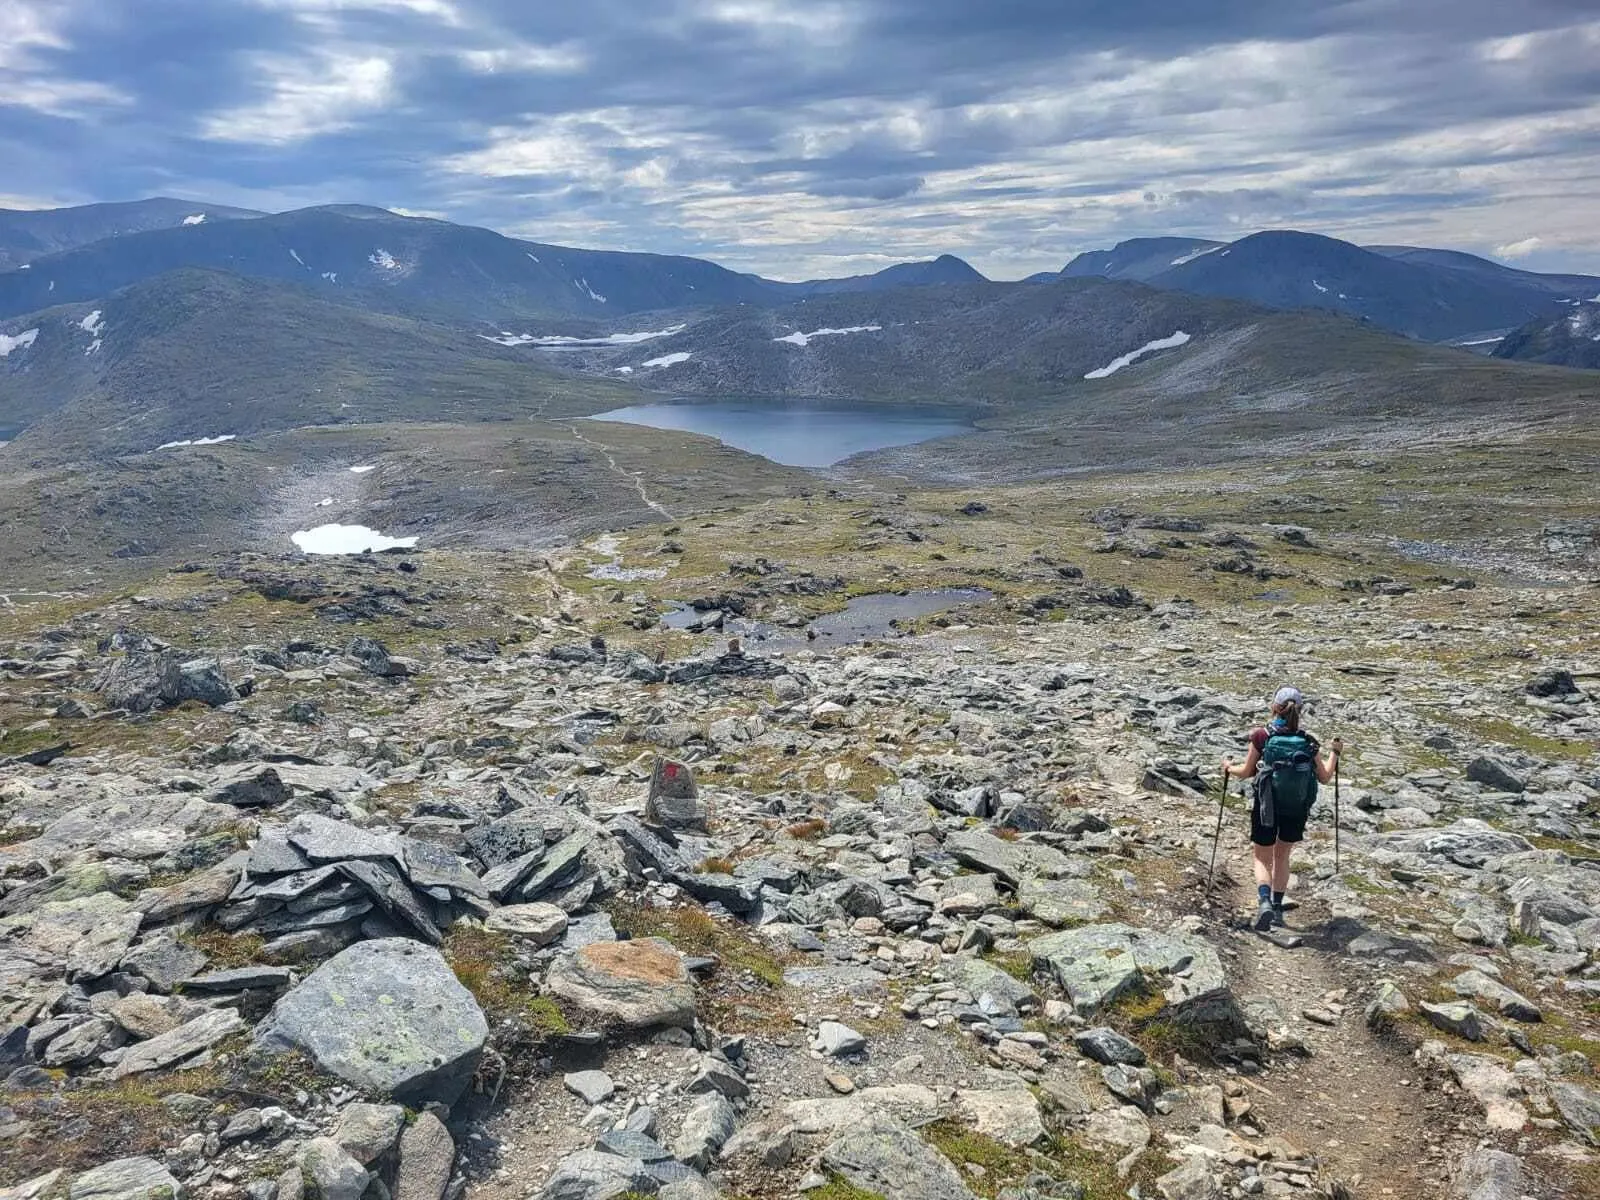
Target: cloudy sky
x: 812, y: 137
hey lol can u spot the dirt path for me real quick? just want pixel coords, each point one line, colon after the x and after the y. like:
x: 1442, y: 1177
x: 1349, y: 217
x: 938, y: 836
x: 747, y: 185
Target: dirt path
x: 634, y: 477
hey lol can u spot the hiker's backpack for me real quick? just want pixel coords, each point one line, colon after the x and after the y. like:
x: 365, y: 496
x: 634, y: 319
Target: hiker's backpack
x: 1286, y: 775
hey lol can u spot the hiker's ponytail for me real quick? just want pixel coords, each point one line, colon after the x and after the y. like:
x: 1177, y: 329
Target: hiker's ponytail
x: 1289, y: 713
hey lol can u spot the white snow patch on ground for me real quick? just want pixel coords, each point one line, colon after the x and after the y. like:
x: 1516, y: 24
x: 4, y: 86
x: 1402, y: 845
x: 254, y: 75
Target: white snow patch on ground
x: 804, y: 339
x: 624, y: 370
x: 1319, y: 287
x: 94, y: 327
x: 363, y: 470
x: 52, y: 286
x: 325, y: 502
x: 295, y: 254
x: 535, y: 258
x: 668, y: 360
x: 1483, y: 341
x: 382, y: 258
x: 25, y: 267
x: 331, y: 276
x: 1116, y: 364
x: 21, y: 342
x: 346, y: 539
x: 508, y: 338
x: 211, y: 441
x: 1194, y: 254
x: 196, y: 219
x: 583, y: 286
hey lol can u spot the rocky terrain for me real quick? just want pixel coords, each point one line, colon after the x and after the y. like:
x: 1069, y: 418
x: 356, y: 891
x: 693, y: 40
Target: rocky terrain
x: 461, y: 873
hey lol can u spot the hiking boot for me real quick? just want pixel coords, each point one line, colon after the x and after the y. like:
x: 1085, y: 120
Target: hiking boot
x: 1264, y: 916
x: 1277, y: 916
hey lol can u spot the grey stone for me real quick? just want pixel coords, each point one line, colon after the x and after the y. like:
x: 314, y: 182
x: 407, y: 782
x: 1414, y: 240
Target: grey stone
x: 592, y: 1087
x: 332, y: 1173
x: 1096, y: 964
x: 561, y: 865
x: 272, y: 854
x: 1508, y: 1003
x: 541, y: 924
x: 126, y: 1179
x: 82, y: 1043
x: 838, y: 1040
x: 1460, y: 1019
x: 427, y: 1157
x: 1497, y: 774
x: 1579, y: 1107
x: 163, y: 961
x: 1489, y: 1174
x: 982, y: 978
x: 707, y: 1126
x: 881, y: 1156
x: 251, y: 786
x: 1105, y: 1045
x: 595, y: 1175
x: 1192, y: 1180
x: 184, y: 1042
x: 324, y: 840
x: 640, y: 983
x: 368, y: 1131
x: 1061, y: 901
x: 1008, y: 1115
x: 1011, y: 861
x: 386, y: 1015
x: 508, y: 838
x: 201, y: 679
x: 502, y: 880
x: 147, y: 1016
x: 718, y: 1076
x: 240, y: 979
x: 431, y: 865
x: 628, y: 1144
x: 394, y: 896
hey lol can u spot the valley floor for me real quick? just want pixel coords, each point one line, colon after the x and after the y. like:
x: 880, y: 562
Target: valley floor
x: 938, y: 922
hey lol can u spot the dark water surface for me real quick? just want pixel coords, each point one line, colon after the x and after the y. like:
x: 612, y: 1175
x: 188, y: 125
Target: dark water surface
x: 796, y: 434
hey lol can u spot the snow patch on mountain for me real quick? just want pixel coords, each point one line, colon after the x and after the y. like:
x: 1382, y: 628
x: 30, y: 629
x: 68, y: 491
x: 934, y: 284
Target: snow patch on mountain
x: 204, y: 441
x: 383, y: 260
x: 668, y: 360
x: 1319, y: 287
x: 196, y: 219
x: 562, y: 341
x: 1116, y: 364
x: 583, y: 286
x: 331, y: 276
x: 94, y: 326
x: 804, y: 339
x: 346, y: 539
x: 295, y: 254
x: 1194, y: 254
x: 20, y: 342
x: 363, y: 470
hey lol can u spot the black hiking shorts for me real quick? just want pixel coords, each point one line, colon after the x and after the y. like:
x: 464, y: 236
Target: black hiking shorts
x: 1290, y: 823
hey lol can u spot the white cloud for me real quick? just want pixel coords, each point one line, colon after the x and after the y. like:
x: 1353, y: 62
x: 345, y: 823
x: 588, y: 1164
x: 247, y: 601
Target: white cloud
x: 306, y: 97
x: 1519, y: 249
x: 25, y: 79
x: 440, y: 10
x: 524, y: 57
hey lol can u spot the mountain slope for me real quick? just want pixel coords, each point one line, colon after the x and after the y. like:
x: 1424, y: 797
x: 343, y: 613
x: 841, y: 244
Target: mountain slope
x: 946, y: 269
x: 1569, y: 340
x: 1565, y: 286
x: 194, y: 354
x: 28, y: 234
x: 1287, y: 269
x: 1139, y: 259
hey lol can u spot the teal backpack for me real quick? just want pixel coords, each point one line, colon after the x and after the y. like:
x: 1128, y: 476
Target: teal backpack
x: 1286, y: 776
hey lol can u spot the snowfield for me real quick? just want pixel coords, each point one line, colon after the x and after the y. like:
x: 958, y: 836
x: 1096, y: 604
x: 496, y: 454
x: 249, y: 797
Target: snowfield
x: 669, y: 360
x: 384, y: 260
x: 1194, y: 254
x: 583, y: 286
x: 1116, y: 364
x: 295, y: 254
x: 804, y: 339
x: 346, y: 539
x: 205, y: 441
x: 507, y: 338
x: 363, y: 470
x: 196, y: 219
x: 20, y: 342
x: 94, y: 326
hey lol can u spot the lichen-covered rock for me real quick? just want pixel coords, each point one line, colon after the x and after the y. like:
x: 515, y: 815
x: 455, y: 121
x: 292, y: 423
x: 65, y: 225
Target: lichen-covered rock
x: 886, y: 1158
x: 1096, y: 964
x: 126, y: 1179
x: 641, y: 983
x: 386, y: 1015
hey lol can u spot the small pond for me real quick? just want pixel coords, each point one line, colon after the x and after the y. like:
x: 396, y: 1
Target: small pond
x: 797, y: 434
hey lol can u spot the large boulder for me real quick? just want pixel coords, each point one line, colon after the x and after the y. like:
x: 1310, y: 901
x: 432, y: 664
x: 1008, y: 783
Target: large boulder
x: 1097, y: 964
x: 1012, y: 862
x: 641, y: 983
x: 126, y: 1179
x: 885, y: 1158
x: 388, y: 1016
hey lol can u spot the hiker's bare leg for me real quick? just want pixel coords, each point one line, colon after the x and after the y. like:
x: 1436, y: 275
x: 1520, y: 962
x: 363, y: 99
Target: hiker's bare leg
x: 1263, y: 863
x: 1280, y: 852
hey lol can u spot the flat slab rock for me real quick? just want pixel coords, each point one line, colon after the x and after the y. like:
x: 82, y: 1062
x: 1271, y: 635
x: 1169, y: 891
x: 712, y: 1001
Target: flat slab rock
x: 641, y: 983
x: 126, y: 1179
x: 386, y: 1015
x: 1095, y: 964
x: 885, y: 1158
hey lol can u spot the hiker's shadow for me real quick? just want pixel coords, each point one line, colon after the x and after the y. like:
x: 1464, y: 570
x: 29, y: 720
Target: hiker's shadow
x: 1348, y: 936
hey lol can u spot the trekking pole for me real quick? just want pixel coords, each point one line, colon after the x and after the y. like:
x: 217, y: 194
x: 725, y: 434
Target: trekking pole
x: 1217, y: 837
x: 1336, y: 812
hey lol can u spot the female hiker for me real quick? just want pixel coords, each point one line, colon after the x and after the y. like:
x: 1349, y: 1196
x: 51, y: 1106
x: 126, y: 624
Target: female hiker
x: 1285, y: 762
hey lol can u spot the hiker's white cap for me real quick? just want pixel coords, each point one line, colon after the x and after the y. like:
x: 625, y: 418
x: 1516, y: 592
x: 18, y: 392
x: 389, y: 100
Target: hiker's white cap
x: 1287, y: 695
